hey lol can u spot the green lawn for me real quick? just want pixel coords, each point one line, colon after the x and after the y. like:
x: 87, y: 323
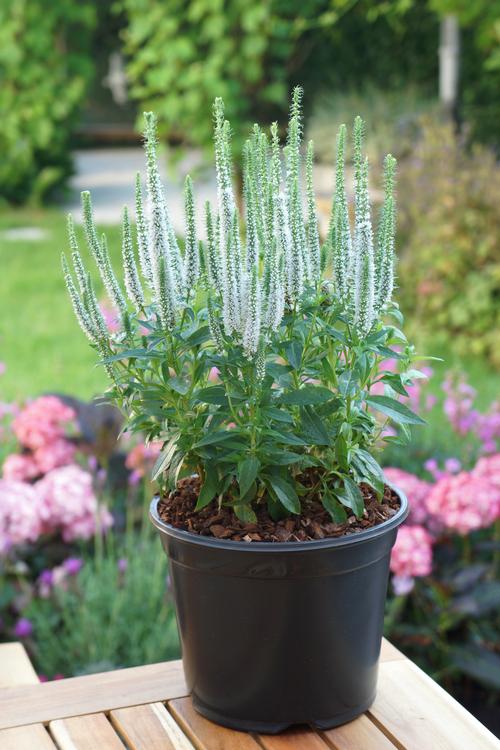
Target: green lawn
x: 40, y: 341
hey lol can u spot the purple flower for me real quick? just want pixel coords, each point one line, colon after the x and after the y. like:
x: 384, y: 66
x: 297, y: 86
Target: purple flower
x: 73, y: 565
x: 122, y: 564
x: 402, y: 585
x: 46, y: 577
x: 23, y: 628
x: 452, y: 465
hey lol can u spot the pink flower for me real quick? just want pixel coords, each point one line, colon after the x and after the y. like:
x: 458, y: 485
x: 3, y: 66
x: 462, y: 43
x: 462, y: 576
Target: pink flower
x: 415, y: 489
x: 19, y: 519
x: 42, y: 422
x: 68, y: 504
x: 488, y: 468
x: 464, y: 502
x: 213, y: 375
x: 412, y: 554
x: 110, y: 315
x: 3, y: 368
x: 52, y: 455
x: 141, y: 459
x: 20, y: 467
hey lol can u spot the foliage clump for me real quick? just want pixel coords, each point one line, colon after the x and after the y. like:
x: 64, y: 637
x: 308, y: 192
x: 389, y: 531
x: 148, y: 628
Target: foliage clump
x: 450, y: 222
x: 44, y: 78
x: 292, y: 330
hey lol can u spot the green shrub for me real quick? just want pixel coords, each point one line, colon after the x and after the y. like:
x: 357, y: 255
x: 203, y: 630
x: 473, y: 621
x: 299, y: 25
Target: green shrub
x: 107, y: 617
x: 184, y: 54
x: 450, y: 217
x: 44, y: 69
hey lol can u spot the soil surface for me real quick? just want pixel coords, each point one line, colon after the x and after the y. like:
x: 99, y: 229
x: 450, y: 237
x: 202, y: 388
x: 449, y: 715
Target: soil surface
x: 314, y: 522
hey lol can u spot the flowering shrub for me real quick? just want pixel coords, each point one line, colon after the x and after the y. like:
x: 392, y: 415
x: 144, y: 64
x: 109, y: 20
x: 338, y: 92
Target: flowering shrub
x: 444, y: 562
x: 296, y: 332
x: 450, y: 271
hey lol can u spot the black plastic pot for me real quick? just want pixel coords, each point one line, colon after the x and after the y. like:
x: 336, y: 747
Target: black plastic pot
x: 276, y: 634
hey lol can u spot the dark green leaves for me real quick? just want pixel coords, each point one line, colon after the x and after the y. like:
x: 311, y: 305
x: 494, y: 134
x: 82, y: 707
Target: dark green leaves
x: 285, y: 492
x: 397, y: 411
x: 163, y: 460
x: 247, y: 474
x: 314, y: 430
x: 351, y: 497
x: 308, y: 395
x: 208, y: 491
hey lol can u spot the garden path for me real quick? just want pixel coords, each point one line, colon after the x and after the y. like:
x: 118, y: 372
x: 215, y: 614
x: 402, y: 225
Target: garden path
x: 109, y: 174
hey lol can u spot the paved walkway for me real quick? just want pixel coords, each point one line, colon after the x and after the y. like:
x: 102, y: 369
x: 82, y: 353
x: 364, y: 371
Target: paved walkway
x: 109, y: 174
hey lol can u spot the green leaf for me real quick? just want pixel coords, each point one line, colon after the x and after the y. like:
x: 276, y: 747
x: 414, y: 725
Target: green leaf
x: 215, y: 437
x: 341, y: 451
x: 347, y: 382
x: 134, y: 354
x: 309, y: 394
x: 333, y: 507
x: 293, y: 351
x: 244, y: 513
x: 313, y: 427
x: 369, y: 470
x: 351, y: 497
x: 285, y: 492
x: 208, y: 491
x: 178, y: 385
x: 247, y: 473
x: 397, y: 411
x: 215, y: 394
x: 198, y: 337
x: 163, y: 460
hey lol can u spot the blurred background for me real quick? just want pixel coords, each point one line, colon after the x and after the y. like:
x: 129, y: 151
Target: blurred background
x: 75, y: 79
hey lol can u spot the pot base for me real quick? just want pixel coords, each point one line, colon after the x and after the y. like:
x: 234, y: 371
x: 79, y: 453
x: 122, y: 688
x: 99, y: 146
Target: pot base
x: 269, y: 727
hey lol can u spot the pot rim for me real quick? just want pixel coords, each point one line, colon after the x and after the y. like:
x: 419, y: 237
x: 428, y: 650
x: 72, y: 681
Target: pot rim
x: 312, y: 544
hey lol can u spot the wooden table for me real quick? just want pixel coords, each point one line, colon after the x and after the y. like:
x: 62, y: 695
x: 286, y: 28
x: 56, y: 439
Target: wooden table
x: 146, y: 708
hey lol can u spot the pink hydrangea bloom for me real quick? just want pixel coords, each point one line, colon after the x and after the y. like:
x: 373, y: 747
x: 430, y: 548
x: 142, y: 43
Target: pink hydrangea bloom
x: 20, y: 467
x: 68, y: 504
x: 19, y: 518
x: 412, y: 554
x: 464, y: 502
x: 415, y: 489
x: 60, y: 452
x: 488, y: 467
x: 42, y: 422
x: 141, y: 458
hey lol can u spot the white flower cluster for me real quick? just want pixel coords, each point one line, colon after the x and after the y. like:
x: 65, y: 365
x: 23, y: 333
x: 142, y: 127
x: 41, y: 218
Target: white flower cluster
x: 248, y: 277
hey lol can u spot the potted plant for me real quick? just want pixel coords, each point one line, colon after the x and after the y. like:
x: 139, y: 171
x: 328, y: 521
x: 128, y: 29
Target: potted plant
x: 252, y: 355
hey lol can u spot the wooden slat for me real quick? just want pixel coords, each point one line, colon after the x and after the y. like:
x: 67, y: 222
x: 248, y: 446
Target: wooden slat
x: 15, y: 666
x: 149, y: 727
x: 204, y: 734
x: 293, y: 739
x: 360, y: 734
x: 416, y: 713
x: 90, y: 732
x: 91, y: 693
x: 33, y: 737
x: 388, y: 652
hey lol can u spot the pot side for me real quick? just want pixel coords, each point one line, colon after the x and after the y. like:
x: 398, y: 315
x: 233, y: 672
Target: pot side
x: 280, y: 633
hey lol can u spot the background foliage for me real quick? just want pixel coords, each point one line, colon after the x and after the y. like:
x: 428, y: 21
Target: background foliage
x: 450, y: 269
x: 44, y: 70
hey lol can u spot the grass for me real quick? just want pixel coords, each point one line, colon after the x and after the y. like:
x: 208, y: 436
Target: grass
x: 40, y: 341
x: 42, y: 345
